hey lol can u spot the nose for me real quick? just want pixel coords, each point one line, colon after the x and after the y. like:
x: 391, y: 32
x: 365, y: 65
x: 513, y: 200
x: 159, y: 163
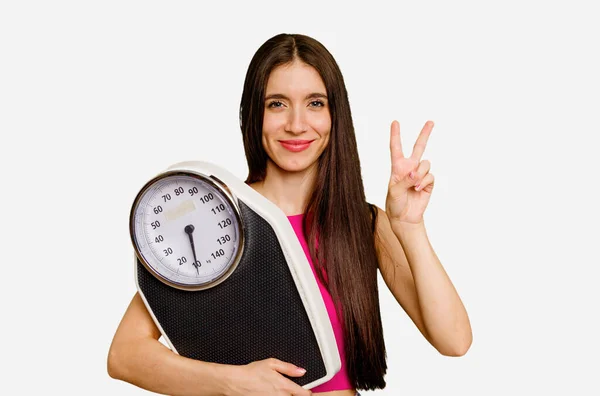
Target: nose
x: 296, y: 121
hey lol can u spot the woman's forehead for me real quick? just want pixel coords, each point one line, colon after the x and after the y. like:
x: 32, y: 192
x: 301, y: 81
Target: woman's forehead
x: 295, y: 80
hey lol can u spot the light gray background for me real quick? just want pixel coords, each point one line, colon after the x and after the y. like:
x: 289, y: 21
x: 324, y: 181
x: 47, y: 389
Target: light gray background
x: 97, y: 97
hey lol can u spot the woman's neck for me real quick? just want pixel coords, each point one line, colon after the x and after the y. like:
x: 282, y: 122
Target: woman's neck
x: 288, y: 190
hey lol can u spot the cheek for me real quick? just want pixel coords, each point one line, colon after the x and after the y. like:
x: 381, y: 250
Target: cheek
x: 322, y: 124
x: 270, y: 129
x: 271, y: 122
x: 267, y: 130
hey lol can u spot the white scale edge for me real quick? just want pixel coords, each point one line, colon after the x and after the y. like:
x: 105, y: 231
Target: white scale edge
x: 294, y: 254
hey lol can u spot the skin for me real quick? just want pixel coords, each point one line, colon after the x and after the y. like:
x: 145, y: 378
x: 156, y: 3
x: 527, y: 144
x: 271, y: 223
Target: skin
x: 289, y: 175
x: 411, y: 270
x: 407, y: 262
x: 293, y: 112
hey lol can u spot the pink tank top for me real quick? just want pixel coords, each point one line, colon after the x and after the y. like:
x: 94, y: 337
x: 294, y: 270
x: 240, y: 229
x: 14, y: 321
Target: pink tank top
x: 340, y: 380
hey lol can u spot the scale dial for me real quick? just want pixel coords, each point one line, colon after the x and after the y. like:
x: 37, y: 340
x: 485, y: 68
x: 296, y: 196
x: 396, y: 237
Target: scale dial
x: 186, y: 230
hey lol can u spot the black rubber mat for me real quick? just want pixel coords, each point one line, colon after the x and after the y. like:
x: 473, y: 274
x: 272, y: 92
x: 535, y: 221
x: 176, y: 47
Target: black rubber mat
x: 255, y: 314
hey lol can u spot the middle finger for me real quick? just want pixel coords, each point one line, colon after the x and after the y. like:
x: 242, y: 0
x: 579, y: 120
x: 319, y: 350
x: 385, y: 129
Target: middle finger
x: 421, y: 142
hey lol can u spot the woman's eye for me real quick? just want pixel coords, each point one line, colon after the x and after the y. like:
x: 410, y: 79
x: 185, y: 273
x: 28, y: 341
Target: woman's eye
x: 275, y: 104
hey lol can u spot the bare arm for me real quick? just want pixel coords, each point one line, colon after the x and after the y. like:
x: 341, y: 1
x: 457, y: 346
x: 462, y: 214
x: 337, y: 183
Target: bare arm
x: 418, y: 281
x: 136, y: 356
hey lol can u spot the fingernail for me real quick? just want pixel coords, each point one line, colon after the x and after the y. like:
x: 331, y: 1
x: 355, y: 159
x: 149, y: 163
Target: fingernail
x: 417, y: 187
x: 412, y: 175
x: 301, y: 370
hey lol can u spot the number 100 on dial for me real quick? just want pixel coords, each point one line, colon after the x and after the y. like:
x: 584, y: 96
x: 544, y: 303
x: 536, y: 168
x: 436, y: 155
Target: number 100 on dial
x: 186, y: 230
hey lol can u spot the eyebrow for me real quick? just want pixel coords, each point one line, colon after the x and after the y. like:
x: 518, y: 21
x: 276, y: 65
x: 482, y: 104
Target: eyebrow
x: 309, y: 96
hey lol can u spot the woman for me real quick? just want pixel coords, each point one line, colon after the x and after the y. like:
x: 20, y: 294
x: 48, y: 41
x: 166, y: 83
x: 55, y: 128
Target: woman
x: 301, y: 151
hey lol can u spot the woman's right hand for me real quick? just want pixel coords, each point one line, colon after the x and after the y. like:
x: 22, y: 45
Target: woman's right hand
x: 264, y: 377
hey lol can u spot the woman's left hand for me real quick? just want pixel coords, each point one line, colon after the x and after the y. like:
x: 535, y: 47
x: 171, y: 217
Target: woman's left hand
x: 411, y: 183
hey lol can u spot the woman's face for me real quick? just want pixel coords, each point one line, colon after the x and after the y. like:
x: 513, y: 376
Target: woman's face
x: 296, y: 122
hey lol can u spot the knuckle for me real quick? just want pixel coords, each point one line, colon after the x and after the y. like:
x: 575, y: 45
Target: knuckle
x: 272, y: 362
x: 394, y: 192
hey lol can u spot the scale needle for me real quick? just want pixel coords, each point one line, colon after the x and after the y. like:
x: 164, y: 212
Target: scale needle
x: 189, y: 229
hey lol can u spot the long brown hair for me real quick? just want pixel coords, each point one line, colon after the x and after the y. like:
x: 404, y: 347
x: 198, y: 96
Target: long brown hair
x: 339, y: 214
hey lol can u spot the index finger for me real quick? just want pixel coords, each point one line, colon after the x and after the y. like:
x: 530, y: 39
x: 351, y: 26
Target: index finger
x: 421, y: 142
x: 395, y: 141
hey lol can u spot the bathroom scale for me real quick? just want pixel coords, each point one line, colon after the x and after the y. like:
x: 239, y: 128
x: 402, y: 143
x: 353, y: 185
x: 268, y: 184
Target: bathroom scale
x: 223, y: 275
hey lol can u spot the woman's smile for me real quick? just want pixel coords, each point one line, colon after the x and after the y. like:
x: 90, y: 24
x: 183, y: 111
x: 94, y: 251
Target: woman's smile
x: 296, y: 117
x: 296, y: 145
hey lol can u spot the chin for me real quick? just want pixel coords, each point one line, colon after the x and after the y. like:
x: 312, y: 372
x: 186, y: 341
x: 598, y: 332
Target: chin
x: 294, y: 165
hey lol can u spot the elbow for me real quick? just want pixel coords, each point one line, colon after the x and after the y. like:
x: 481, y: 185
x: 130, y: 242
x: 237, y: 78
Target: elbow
x: 113, y: 364
x: 458, y: 349
x: 456, y: 352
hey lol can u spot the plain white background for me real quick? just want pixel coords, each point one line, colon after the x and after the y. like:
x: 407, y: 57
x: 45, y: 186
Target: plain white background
x: 97, y: 97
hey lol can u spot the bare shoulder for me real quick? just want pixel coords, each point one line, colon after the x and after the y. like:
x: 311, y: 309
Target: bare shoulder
x: 137, y: 322
x: 390, y: 253
x: 384, y: 235
x: 395, y: 270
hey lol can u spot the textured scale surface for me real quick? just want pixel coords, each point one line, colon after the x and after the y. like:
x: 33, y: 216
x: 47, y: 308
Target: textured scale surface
x: 255, y: 314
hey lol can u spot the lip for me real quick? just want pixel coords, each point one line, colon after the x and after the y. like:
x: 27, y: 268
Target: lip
x: 295, y: 145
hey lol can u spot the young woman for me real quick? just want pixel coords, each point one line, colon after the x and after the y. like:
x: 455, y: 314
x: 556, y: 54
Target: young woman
x: 301, y: 151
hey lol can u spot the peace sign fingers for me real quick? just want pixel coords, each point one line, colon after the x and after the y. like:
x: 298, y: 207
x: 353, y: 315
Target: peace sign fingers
x: 421, y: 142
x: 395, y: 142
x: 411, y: 182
